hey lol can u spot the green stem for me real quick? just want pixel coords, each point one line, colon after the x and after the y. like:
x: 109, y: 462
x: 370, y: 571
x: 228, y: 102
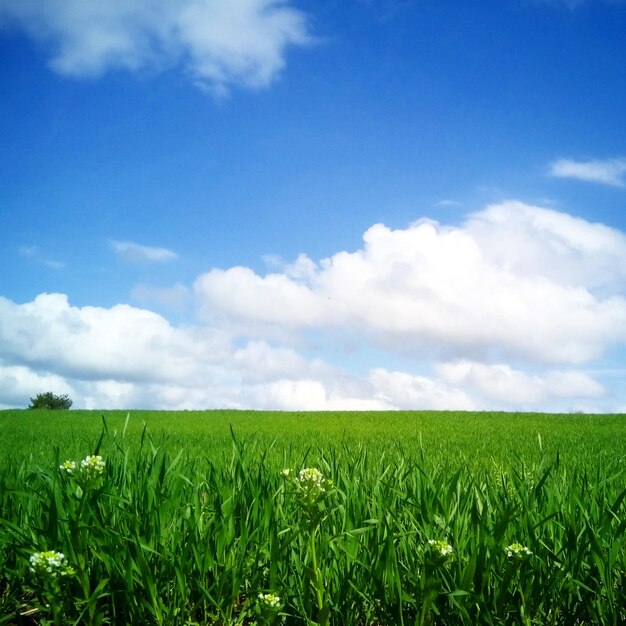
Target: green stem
x: 52, y: 598
x: 81, y: 534
x: 426, y: 602
x: 57, y: 617
x: 319, y: 590
x: 422, y: 614
x: 525, y: 618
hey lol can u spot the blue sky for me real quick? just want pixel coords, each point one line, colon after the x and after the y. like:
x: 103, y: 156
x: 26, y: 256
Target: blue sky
x: 299, y: 205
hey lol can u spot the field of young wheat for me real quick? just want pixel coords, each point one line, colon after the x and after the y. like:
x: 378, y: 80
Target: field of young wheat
x: 199, y: 518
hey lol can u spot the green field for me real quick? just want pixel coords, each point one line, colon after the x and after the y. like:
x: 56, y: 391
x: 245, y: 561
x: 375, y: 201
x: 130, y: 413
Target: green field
x: 430, y: 518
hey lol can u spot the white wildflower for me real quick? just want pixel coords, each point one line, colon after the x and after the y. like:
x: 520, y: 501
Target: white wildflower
x: 270, y: 600
x: 68, y: 467
x: 50, y: 563
x: 310, y: 475
x: 92, y: 466
x: 517, y: 551
x: 442, y: 548
x: 312, y: 480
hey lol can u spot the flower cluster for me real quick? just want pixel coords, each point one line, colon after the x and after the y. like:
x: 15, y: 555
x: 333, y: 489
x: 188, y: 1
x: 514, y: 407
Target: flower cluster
x: 311, y: 479
x: 90, y: 467
x: 68, y: 466
x: 517, y: 551
x: 442, y: 548
x: 50, y: 564
x: 310, y: 476
x: 310, y: 489
x: 270, y: 600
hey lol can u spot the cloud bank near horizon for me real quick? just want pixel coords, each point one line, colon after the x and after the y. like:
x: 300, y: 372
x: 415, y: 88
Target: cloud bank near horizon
x: 509, y: 310
x: 219, y: 44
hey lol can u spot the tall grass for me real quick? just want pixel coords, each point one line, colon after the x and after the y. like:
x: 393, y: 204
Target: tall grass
x: 173, y: 537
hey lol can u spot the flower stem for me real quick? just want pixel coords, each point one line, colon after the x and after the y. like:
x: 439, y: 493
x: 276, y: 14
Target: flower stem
x: 319, y: 589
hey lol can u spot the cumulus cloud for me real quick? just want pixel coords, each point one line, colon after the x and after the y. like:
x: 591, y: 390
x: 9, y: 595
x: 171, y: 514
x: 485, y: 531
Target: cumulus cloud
x: 19, y: 383
x: 136, y: 253
x: 499, y: 312
x: 536, y: 242
x: 121, y: 343
x: 472, y: 291
x: 128, y: 357
x: 609, y: 172
x: 313, y: 395
x: 219, y: 44
x: 258, y: 361
x: 503, y: 386
x: 407, y: 391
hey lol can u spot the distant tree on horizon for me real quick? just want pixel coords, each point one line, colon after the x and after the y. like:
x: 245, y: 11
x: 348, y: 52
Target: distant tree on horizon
x: 50, y: 401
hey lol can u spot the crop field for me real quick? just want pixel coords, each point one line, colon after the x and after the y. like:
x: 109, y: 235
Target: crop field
x: 365, y: 519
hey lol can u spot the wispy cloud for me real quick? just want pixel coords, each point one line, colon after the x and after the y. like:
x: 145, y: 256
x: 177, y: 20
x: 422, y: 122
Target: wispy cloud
x: 32, y: 252
x: 219, y: 44
x: 606, y: 172
x: 55, y: 265
x: 448, y: 203
x: 28, y: 252
x: 136, y: 253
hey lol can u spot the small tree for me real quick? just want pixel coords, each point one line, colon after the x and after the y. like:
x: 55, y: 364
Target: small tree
x: 48, y: 400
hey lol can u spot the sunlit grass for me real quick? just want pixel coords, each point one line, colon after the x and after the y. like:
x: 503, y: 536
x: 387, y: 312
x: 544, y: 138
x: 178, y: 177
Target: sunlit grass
x: 433, y: 518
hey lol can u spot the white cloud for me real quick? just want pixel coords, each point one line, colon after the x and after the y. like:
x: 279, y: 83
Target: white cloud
x: 19, y: 383
x: 275, y: 299
x: 124, y: 357
x: 496, y: 313
x: 609, y: 172
x: 129, y: 358
x: 136, y: 253
x: 471, y: 291
x: 239, y: 42
x: 314, y: 395
x: 258, y: 361
x: 121, y: 343
x: 408, y: 391
x: 503, y: 386
x: 536, y: 242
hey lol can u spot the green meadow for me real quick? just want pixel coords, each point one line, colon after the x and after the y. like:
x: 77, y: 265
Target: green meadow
x: 348, y: 518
